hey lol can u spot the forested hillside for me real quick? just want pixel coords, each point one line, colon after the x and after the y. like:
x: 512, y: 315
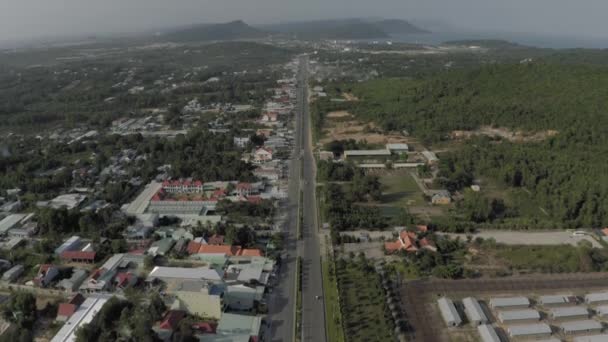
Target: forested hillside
x: 566, y: 173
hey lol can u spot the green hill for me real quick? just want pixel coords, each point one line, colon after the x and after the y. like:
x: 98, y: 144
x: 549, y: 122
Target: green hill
x: 398, y: 26
x: 234, y: 30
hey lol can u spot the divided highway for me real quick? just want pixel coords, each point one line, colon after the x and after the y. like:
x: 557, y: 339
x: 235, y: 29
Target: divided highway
x: 313, y: 310
x: 282, y: 304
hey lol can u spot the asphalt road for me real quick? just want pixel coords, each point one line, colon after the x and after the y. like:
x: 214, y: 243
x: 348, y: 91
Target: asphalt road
x: 313, y: 311
x: 281, y: 306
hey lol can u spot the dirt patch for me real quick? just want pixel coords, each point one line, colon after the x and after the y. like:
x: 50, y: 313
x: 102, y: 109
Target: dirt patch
x: 358, y: 131
x: 339, y: 114
x: 504, y: 133
x: 350, y: 97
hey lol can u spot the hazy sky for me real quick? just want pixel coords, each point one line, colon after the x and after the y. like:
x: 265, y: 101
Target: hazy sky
x: 31, y: 18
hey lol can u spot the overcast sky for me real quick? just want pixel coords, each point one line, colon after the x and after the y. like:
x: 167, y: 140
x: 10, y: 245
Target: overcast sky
x: 32, y: 18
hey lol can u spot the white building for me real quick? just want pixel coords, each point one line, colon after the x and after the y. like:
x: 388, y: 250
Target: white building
x: 85, y: 313
x: 448, y: 312
x: 487, y: 333
x: 474, y: 311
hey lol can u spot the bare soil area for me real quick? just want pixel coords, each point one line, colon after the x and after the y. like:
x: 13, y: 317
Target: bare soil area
x: 339, y: 114
x: 352, y: 129
x: 505, y: 133
x: 350, y: 97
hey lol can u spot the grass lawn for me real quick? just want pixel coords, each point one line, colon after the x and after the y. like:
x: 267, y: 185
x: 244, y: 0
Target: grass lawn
x: 400, y: 189
x: 541, y: 258
x: 332, y: 305
x: 364, y: 311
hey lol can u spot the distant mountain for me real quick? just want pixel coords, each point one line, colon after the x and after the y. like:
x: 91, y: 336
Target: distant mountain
x: 398, y: 26
x: 354, y: 28
x: 233, y: 30
x: 329, y: 29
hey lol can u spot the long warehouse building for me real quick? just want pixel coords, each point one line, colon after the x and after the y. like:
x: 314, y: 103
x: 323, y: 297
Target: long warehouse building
x: 448, y: 312
x: 474, y: 311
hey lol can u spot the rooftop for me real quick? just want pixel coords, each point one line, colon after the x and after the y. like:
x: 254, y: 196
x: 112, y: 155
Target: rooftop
x: 200, y: 273
x: 529, y: 329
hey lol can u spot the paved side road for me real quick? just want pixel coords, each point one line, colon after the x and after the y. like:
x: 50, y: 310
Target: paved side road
x: 546, y: 238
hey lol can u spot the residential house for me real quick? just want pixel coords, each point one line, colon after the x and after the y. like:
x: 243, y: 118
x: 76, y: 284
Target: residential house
x: 46, y: 274
x: 441, y: 197
x: 198, y: 297
x: 85, y: 313
x: 66, y: 310
x: 262, y: 155
x: 73, y: 283
x: 409, y: 242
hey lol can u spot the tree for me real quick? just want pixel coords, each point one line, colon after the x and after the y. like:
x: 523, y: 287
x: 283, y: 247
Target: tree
x: 21, y: 309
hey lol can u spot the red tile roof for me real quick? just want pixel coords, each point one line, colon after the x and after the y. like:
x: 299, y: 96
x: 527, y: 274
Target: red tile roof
x: 193, y: 247
x: 172, y: 319
x: 219, y: 249
x: 77, y: 299
x: 205, y: 327
x: 254, y: 199
x: 66, y: 309
x: 78, y: 255
x: 216, y: 239
x: 251, y: 252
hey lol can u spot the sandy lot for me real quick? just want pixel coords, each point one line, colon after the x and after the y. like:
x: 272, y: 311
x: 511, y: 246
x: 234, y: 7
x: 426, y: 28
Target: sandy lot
x: 505, y: 133
x: 339, y: 114
x: 548, y: 238
x: 350, y: 97
x: 353, y: 129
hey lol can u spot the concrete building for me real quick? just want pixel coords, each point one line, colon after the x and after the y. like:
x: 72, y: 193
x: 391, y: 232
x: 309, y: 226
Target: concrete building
x: 398, y: 148
x: 570, y: 312
x: 448, y: 312
x: 85, y: 313
x: 73, y: 283
x: 182, y: 274
x: 235, y: 325
x: 367, y: 154
x: 430, y: 157
x: 198, y: 298
x: 509, y: 303
x: 529, y: 331
x: 243, y: 297
x: 581, y: 327
x: 487, y: 333
x: 597, y: 298
x: 518, y: 316
x: 474, y: 312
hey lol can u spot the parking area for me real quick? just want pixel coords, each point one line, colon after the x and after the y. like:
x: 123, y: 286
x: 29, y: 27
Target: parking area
x: 549, y: 238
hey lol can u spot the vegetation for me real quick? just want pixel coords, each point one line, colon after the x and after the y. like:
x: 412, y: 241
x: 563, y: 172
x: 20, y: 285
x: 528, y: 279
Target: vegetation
x: 124, y: 320
x: 563, y: 104
x: 365, y: 315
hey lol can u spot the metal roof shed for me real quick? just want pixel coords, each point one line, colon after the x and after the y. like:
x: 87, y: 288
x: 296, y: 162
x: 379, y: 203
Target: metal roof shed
x: 556, y: 300
x: 474, y: 311
x: 570, y: 312
x: 487, y: 333
x: 595, y: 298
x: 592, y: 338
x: 518, y: 316
x: 509, y: 303
x: 602, y: 310
x: 585, y: 326
x: 529, y: 330
x: 448, y: 312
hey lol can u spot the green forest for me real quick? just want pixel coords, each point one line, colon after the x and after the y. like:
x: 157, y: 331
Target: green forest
x: 566, y: 173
